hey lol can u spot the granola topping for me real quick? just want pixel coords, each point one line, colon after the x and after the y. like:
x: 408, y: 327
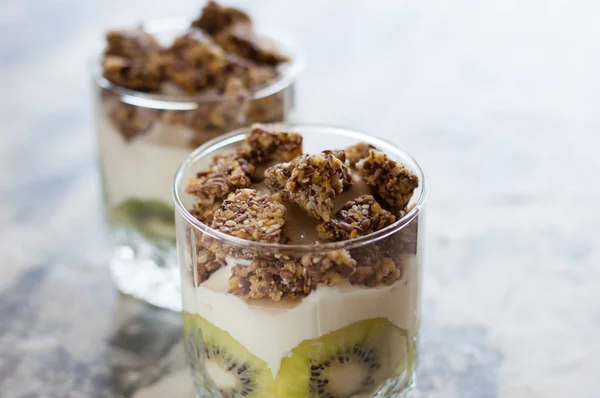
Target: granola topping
x: 232, y: 199
x: 219, y: 59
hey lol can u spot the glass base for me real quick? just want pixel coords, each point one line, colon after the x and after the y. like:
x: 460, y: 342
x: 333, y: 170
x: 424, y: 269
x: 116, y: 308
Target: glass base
x: 405, y: 392
x: 141, y: 270
x: 394, y: 388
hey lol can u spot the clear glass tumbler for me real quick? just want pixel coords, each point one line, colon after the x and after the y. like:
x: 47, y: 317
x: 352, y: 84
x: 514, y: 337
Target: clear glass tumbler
x: 338, y: 341
x: 142, y: 139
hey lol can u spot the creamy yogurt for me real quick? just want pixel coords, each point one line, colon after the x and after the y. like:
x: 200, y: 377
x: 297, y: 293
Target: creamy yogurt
x: 144, y: 167
x: 270, y: 329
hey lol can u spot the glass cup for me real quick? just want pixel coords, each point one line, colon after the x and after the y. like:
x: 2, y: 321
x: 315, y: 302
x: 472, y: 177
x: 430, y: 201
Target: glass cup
x: 142, y: 139
x: 341, y: 341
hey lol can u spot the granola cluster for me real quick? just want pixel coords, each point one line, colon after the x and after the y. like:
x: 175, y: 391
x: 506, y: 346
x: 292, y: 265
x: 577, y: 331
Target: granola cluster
x: 357, y: 152
x: 132, y: 120
x: 216, y: 18
x: 383, y: 262
x: 232, y: 29
x: 272, y: 142
x: 228, y: 202
x: 195, y: 62
x: 328, y: 268
x: 133, y: 59
x: 269, y: 277
x: 276, y: 177
x: 203, y: 210
x: 207, y: 262
x: 313, y: 182
x: 358, y: 217
x: 391, y: 180
x: 203, y: 261
x: 219, y: 61
x: 226, y: 174
x: 375, y: 266
x: 249, y: 215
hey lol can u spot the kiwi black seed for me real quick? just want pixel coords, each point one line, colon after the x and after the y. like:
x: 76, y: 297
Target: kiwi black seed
x: 227, y: 367
x: 352, y: 360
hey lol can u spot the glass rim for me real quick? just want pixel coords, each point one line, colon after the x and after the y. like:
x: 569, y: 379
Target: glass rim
x: 236, y: 136
x: 284, y: 80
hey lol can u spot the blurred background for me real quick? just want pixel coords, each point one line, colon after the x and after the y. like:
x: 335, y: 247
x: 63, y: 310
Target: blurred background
x: 498, y: 101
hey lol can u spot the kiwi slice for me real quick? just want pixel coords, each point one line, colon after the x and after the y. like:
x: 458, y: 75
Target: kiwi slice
x: 152, y: 218
x: 353, y: 360
x: 222, y: 365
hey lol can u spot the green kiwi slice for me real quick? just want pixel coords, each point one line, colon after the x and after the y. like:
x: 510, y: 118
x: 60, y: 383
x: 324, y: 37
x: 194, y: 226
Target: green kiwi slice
x: 353, y: 360
x: 154, y: 219
x: 222, y: 365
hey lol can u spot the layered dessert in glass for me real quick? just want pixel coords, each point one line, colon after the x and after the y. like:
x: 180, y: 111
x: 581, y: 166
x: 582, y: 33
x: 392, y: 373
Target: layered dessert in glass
x: 300, y: 255
x: 162, y: 89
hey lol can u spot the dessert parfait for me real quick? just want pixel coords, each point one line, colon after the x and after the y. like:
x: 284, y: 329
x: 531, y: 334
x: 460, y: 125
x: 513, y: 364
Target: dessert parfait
x: 162, y: 89
x: 300, y: 263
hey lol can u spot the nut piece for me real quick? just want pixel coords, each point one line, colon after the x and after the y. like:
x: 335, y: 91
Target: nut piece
x: 314, y: 180
x: 272, y: 142
x: 328, y: 268
x: 270, y: 276
x: 247, y: 214
x: 228, y: 172
x: 133, y: 59
x: 392, y: 181
x: 358, y: 217
x: 357, y: 152
x: 215, y: 18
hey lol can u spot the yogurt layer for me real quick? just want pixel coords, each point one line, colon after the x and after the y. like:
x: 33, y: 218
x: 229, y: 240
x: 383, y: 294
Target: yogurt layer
x: 271, y: 329
x: 144, y: 167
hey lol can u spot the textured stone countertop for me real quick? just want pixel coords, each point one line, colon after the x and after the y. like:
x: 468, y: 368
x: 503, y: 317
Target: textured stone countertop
x: 498, y: 100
